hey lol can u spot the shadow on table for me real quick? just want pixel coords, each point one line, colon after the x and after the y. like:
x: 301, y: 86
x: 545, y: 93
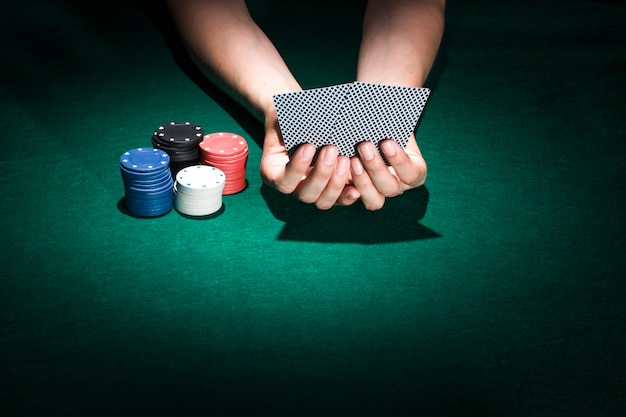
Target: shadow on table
x: 397, y: 221
x: 121, y: 207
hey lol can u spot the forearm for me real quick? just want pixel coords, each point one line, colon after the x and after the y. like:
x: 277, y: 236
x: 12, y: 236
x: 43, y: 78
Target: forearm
x: 233, y: 51
x: 400, y: 41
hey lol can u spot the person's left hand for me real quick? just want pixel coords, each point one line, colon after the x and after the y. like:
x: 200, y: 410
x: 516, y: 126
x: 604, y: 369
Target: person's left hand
x: 373, y: 181
x: 320, y: 184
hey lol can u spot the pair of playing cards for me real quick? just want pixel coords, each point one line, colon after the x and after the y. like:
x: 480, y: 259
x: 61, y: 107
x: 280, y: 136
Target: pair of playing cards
x: 347, y: 114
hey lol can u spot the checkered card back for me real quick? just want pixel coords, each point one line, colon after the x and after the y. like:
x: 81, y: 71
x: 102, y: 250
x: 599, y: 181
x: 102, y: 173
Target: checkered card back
x: 376, y: 112
x: 308, y: 116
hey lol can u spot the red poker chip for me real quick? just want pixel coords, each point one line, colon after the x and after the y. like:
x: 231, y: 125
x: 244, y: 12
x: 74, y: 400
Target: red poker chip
x: 232, y: 179
x: 224, y: 144
x: 217, y: 155
x: 230, y: 170
x: 240, y: 162
x: 229, y: 153
x: 234, y: 189
x: 228, y: 165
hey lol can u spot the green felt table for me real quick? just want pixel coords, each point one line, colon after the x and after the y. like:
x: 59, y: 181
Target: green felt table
x: 497, y: 289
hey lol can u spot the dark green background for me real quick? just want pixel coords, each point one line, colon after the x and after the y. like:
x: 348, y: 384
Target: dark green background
x: 496, y: 290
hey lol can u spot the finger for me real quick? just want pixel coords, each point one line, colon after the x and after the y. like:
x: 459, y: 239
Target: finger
x: 329, y: 196
x: 408, y: 165
x: 372, y: 199
x: 314, y: 184
x: 296, y: 169
x: 383, y: 180
x: 349, y: 195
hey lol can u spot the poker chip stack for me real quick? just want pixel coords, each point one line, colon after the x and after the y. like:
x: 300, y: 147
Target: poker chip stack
x: 198, y: 190
x: 180, y: 140
x: 148, y: 184
x: 229, y: 153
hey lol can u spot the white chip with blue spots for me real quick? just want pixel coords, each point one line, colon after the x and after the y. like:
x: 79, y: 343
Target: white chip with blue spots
x: 198, y: 190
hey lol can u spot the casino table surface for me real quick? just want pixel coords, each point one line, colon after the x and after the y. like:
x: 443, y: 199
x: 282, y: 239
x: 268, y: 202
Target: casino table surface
x: 497, y: 289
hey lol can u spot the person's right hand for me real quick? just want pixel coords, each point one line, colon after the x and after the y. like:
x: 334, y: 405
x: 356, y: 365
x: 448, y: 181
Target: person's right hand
x: 321, y: 184
x: 374, y: 181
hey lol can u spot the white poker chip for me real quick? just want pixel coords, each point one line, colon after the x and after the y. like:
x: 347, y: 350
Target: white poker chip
x: 200, y: 178
x: 198, y: 190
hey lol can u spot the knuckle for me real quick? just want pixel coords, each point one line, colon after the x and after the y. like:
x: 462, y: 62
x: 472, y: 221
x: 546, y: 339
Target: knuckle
x: 374, y: 205
x: 418, y: 178
x: 390, y: 189
x: 284, y: 188
x: 335, y: 187
x: 306, y: 198
x: 264, y: 175
x: 324, y: 205
x: 323, y: 174
x: 421, y: 181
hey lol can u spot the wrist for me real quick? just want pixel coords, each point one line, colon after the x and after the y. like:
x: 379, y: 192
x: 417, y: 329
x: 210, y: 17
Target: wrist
x: 270, y: 120
x: 266, y: 107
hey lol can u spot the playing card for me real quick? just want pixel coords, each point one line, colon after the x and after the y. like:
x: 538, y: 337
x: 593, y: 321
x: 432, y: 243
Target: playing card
x: 308, y: 116
x: 347, y: 114
x: 376, y: 112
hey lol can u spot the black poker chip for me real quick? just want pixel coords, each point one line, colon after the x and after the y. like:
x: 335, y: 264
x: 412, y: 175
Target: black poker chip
x: 180, y: 140
x: 178, y: 135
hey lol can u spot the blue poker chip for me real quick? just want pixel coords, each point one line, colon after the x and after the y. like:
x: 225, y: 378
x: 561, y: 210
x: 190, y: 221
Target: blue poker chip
x: 149, y: 212
x: 158, y: 187
x: 147, y: 181
x: 148, y: 208
x: 138, y: 203
x: 147, y: 194
x: 145, y: 185
x: 144, y: 160
x: 126, y: 173
x: 131, y: 177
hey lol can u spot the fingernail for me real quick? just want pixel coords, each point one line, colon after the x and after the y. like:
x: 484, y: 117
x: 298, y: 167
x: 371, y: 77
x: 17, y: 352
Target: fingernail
x: 388, y: 148
x: 357, y: 168
x: 308, y: 153
x: 366, y: 151
x: 330, y: 155
x: 342, y: 166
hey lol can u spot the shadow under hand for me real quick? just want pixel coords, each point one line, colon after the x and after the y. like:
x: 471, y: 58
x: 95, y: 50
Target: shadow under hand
x: 397, y: 221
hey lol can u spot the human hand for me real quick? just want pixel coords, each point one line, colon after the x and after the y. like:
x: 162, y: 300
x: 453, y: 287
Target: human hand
x: 374, y: 181
x: 321, y: 184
